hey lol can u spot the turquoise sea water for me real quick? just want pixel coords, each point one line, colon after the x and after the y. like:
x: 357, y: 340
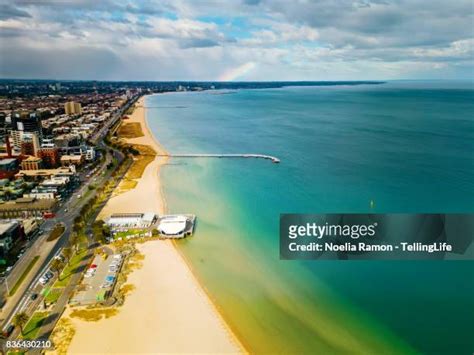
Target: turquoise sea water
x: 406, y: 145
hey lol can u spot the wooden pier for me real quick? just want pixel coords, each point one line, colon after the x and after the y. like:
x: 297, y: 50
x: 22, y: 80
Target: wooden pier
x: 258, y: 156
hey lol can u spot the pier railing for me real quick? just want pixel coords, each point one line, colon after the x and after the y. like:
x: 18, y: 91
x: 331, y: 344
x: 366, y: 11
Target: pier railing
x: 240, y: 155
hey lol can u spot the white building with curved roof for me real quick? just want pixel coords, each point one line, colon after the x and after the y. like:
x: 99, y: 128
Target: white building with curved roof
x: 175, y: 226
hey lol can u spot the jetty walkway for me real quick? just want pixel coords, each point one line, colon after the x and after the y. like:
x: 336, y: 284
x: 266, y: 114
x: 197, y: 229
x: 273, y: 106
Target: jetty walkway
x: 259, y: 156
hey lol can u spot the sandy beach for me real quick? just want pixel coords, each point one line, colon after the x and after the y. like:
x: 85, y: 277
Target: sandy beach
x: 168, y: 311
x: 146, y: 196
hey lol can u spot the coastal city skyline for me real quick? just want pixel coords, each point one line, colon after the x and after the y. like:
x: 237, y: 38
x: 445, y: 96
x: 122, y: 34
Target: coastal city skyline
x: 242, y: 40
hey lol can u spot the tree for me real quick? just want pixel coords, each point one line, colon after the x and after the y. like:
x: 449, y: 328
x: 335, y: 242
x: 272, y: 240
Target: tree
x: 57, y: 265
x: 77, y: 226
x: 20, y: 320
x: 67, y: 253
x: 74, y: 241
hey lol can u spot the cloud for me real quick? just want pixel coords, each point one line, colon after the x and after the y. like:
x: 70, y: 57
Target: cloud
x: 200, y: 40
x: 8, y: 11
x: 198, y: 43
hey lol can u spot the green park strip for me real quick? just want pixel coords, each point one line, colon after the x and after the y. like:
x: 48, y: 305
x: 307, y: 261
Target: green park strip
x: 52, y: 295
x: 23, y: 276
x: 71, y: 268
x: 31, y: 330
x: 130, y: 233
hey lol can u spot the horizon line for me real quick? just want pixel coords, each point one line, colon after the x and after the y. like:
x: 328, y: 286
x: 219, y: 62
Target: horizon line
x: 230, y: 81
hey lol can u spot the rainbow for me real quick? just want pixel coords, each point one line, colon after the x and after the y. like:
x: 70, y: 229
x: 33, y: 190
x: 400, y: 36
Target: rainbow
x: 237, y: 72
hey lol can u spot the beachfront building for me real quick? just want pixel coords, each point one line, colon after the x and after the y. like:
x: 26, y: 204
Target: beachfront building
x: 175, y: 226
x: 10, y: 232
x: 40, y: 174
x: 125, y: 221
x: 27, y: 207
x: 76, y: 160
x: 55, y: 187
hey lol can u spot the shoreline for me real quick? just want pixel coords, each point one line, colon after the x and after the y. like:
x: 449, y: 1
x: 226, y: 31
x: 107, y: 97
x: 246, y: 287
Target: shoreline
x: 178, y: 304
x: 226, y: 326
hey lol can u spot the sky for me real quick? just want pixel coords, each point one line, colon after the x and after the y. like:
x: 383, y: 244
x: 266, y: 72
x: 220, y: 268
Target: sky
x: 241, y: 40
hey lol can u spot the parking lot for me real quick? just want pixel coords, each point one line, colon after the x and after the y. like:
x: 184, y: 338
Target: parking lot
x: 99, y: 280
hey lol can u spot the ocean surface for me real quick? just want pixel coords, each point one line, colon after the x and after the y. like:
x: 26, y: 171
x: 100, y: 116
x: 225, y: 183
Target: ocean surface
x: 408, y: 146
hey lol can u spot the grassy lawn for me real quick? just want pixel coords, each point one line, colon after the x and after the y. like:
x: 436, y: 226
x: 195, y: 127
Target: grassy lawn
x: 123, y: 235
x: 23, y: 276
x: 126, y: 185
x: 83, y: 243
x: 138, y: 166
x: 70, y: 269
x: 130, y: 130
x: 53, y: 295
x: 56, y: 232
x: 33, y: 326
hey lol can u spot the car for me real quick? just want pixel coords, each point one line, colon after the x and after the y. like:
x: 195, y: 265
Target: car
x: 43, y: 280
x: 93, y: 266
x: 33, y: 296
x: 117, y: 256
x: 106, y: 285
x: 49, y: 274
x: 8, y: 269
x: 65, y: 210
x: 9, y: 330
x: 88, y: 274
